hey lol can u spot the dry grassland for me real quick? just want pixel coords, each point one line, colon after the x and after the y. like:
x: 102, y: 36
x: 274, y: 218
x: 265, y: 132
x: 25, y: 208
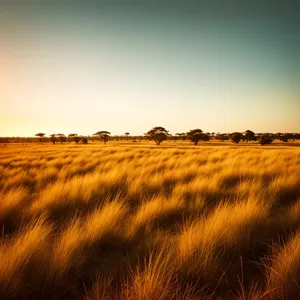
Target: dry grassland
x: 145, y: 222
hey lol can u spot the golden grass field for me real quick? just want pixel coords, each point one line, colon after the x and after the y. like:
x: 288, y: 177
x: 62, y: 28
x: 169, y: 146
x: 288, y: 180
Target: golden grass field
x: 138, y: 221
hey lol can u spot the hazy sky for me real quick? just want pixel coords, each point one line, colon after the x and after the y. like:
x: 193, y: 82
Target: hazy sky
x: 131, y: 65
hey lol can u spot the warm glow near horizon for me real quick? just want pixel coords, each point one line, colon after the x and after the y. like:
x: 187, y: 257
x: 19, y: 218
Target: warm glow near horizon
x: 128, y: 68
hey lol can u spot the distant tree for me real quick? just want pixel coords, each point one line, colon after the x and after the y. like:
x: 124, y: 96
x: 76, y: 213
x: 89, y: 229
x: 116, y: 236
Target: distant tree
x: 176, y: 136
x: 127, y: 134
x: 4, y: 140
x: 291, y: 136
x: 222, y: 137
x: 77, y: 139
x: 195, y: 135
x: 84, y: 140
x: 53, y: 138
x: 40, y: 135
x: 181, y: 135
x: 266, y: 139
x: 284, y: 137
x: 103, y: 135
x: 236, y: 137
x: 158, y: 134
x: 277, y: 136
x: 249, y: 136
x: 296, y: 136
x: 74, y: 137
x: 206, y: 137
x: 62, y: 138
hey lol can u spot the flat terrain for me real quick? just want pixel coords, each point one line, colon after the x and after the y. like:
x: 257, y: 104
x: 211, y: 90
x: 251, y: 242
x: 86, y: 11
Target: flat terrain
x: 139, y: 221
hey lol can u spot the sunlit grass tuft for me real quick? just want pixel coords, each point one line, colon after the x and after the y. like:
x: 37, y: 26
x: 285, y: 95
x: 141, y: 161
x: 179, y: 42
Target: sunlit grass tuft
x: 23, y: 259
x: 283, y: 278
x: 12, y: 204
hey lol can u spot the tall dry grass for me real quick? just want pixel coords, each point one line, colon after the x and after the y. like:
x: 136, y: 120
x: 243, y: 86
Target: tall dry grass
x: 23, y: 260
x: 144, y: 222
x: 283, y: 275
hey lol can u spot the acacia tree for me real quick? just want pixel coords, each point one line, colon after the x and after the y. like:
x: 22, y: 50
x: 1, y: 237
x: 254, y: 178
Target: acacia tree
x: 40, y: 135
x: 236, y: 137
x: 195, y: 135
x: 75, y: 137
x: 266, y: 139
x: 127, y: 134
x: 158, y: 134
x: 103, y: 135
x: 249, y: 136
x: 62, y: 137
x: 53, y: 138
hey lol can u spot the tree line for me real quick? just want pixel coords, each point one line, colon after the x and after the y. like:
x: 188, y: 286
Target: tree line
x: 159, y: 134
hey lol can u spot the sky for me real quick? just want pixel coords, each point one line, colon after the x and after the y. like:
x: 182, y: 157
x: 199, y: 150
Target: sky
x: 127, y: 66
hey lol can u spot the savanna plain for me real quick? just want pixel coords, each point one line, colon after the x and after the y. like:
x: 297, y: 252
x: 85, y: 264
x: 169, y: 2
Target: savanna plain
x: 140, y: 221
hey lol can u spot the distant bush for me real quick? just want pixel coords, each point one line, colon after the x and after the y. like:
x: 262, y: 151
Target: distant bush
x: 284, y: 138
x: 249, y: 136
x: 236, y: 137
x: 84, y: 141
x: 222, y: 137
x: 266, y: 139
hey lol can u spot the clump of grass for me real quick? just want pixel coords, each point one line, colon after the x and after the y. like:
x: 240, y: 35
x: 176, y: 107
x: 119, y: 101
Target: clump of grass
x: 102, y: 289
x: 152, y: 279
x: 283, y: 276
x: 255, y: 292
x: 157, y: 210
x: 105, y: 222
x: 286, y: 188
x: 294, y: 213
x: 229, y: 226
x: 11, y: 206
x: 21, y: 179
x: 23, y: 259
x: 201, y: 187
x: 80, y: 192
x: 46, y: 176
x: 75, y: 242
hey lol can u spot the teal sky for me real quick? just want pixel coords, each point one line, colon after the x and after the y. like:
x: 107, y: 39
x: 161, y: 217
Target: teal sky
x: 131, y: 65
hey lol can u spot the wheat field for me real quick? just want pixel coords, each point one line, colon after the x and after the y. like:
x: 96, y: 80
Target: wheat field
x: 139, y: 222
